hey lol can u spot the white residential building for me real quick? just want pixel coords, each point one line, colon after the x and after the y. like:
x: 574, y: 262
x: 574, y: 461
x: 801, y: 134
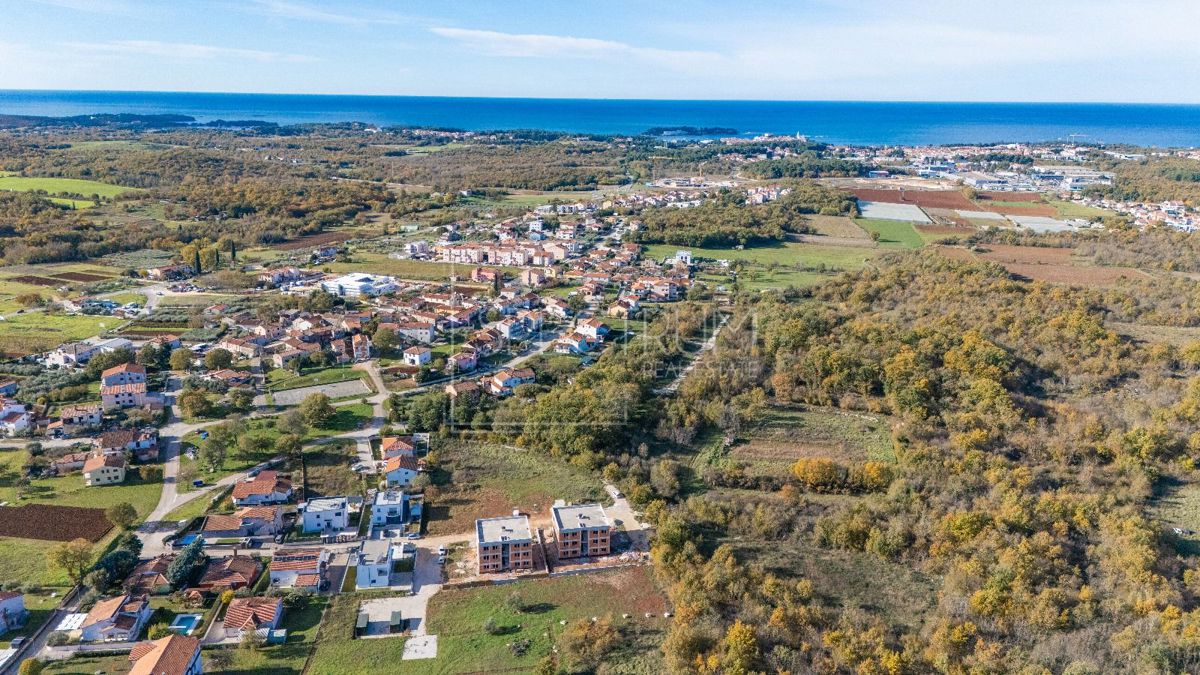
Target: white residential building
x: 376, y: 561
x: 330, y: 514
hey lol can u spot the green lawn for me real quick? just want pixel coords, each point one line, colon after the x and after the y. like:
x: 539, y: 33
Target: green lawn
x: 69, y: 490
x: 74, y: 203
x: 457, y: 618
x: 784, y: 253
x: 126, y: 298
x: 279, y: 379
x: 40, y: 606
x: 892, y: 233
x: 38, y: 331
x: 61, y: 186
x: 1068, y: 209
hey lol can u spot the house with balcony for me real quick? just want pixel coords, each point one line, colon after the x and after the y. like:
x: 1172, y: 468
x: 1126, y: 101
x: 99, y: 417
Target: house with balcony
x: 581, y: 530
x: 504, y: 544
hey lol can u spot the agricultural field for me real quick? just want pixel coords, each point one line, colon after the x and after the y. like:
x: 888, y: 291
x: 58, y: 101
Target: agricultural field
x: 457, y: 616
x: 840, y: 227
x: 1068, y: 209
x: 1038, y: 263
x: 479, y: 480
x: 772, y: 445
x: 892, y: 233
x: 934, y: 199
x: 46, y: 522
x: 61, y: 186
x: 33, y: 332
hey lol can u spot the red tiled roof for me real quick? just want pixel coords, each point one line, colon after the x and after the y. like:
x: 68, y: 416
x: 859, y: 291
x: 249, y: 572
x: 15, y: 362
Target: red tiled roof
x: 170, y: 655
x: 251, y: 612
x: 125, y: 368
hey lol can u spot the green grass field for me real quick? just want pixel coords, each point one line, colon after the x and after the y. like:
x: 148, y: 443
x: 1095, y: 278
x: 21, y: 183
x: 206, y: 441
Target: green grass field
x: 38, y: 331
x: 1072, y: 210
x: 777, y: 266
x: 892, y: 233
x: 457, y: 618
x: 56, y: 186
x: 1178, y: 505
x: 74, y: 203
x: 69, y: 490
x: 788, y: 253
x: 280, y: 379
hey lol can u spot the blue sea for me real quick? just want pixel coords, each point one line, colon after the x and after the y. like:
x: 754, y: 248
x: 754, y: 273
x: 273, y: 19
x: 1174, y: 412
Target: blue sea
x: 865, y: 123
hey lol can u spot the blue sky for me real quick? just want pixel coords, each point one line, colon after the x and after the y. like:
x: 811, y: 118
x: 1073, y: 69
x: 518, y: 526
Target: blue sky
x: 1002, y: 50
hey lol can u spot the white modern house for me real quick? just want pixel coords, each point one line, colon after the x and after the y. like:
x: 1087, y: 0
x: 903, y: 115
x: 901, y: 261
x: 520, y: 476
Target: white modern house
x: 376, y: 561
x: 394, y: 508
x: 328, y: 514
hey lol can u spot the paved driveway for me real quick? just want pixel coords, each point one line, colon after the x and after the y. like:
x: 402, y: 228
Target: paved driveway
x: 334, y: 390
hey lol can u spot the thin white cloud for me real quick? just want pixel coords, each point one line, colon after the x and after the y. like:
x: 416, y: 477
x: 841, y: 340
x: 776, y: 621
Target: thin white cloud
x: 94, y: 6
x: 533, y: 45
x: 188, y: 51
x: 301, y: 12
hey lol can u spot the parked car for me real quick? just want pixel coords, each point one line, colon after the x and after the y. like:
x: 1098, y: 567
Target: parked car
x: 414, y: 535
x: 441, y: 560
x: 442, y: 550
x: 199, y: 482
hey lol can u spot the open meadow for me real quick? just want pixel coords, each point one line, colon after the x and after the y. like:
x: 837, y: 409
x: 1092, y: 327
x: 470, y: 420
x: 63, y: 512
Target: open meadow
x: 533, y: 620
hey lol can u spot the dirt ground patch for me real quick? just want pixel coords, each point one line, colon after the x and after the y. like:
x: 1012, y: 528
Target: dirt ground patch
x: 81, y: 276
x: 782, y: 452
x: 1011, y: 196
x: 836, y: 226
x: 1031, y: 210
x: 322, y: 239
x: 53, y: 523
x: 36, y: 280
x: 1045, y: 264
x: 456, y: 511
x: 945, y: 230
x: 631, y: 583
x: 933, y: 199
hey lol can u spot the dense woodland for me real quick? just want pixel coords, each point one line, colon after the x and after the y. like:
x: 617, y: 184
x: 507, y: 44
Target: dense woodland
x: 1153, y: 179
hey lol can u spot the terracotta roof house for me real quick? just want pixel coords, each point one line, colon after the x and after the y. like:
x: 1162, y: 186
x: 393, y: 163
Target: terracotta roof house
x: 118, y: 619
x: 150, y: 576
x: 231, y: 573
x: 105, y: 469
x: 392, y: 446
x: 171, y: 655
x: 252, y: 614
x: 401, y: 470
x: 265, y: 488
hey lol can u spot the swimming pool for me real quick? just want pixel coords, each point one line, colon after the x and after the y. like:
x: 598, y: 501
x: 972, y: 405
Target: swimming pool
x: 184, y: 624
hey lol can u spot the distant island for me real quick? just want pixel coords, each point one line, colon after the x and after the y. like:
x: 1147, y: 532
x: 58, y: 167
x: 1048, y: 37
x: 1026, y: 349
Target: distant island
x: 690, y: 131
